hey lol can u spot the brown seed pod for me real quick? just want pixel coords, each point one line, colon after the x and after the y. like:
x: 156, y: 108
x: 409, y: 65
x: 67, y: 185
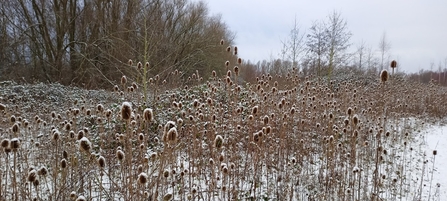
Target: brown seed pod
x: 148, y: 115
x: 218, y: 141
x: 85, y: 144
x: 142, y: 178
x: 393, y: 64
x: 32, y: 175
x: 101, y: 162
x: 384, y: 76
x: 126, y: 111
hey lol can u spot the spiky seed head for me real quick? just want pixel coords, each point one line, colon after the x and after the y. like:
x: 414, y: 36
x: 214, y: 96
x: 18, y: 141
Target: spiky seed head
x: 218, y: 141
x: 355, y: 120
x: 126, y: 111
x: 63, y: 163
x: 123, y: 80
x: 221, y: 41
x: 73, y: 195
x: 15, y: 144
x: 239, y: 61
x: 236, y: 70
x: 166, y: 173
x: 148, y: 115
x: 235, y: 50
x: 101, y: 162
x: 142, y: 178
x: 435, y: 152
x: 266, y: 119
x: 15, y: 128
x: 56, y: 135
x: 139, y: 65
x: 42, y: 171
x: 85, y: 144
x: 32, y: 175
x: 393, y: 64
x: 384, y: 76
x: 65, y: 154
x: 228, y: 48
x: 5, y: 143
x: 349, y: 111
x: 227, y: 63
x: 172, y: 135
x: 120, y: 155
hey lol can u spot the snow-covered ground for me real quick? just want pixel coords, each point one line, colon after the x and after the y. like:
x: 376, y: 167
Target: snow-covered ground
x: 436, y: 139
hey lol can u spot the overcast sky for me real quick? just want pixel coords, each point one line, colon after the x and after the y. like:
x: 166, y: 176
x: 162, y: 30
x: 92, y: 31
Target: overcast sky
x: 416, y: 29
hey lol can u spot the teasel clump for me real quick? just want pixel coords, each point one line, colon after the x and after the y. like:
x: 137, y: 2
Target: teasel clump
x: 85, y: 144
x: 126, y: 111
x: 218, y: 141
x: 148, y: 115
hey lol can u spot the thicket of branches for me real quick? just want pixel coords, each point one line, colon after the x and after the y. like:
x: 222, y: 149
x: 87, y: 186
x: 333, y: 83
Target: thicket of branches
x: 88, y: 42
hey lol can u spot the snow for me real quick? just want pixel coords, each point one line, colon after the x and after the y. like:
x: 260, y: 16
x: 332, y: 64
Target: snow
x: 436, y: 139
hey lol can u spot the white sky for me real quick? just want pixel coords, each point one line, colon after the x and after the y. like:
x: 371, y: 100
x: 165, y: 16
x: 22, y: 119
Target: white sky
x: 416, y: 29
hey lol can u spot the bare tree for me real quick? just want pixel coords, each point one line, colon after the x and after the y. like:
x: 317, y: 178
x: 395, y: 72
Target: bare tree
x: 90, y: 41
x: 384, y: 47
x: 293, y: 47
x: 338, y: 37
x: 361, y: 51
x: 328, y: 42
x: 316, y: 46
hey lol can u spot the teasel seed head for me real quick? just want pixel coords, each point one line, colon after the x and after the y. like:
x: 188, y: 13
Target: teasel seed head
x: 142, y: 178
x: 126, y: 111
x: 227, y: 63
x: 218, y: 141
x: 63, y: 163
x: 85, y: 144
x: 166, y: 173
x: 266, y: 119
x: 42, y: 171
x: 393, y: 64
x: 139, y: 65
x: 123, y: 80
x: 221, y: 41
x: 15, y: 144
x: 435, y: 152
x: 228, y: 48
x: 120, y: 155
x: 384, y: 76
x: 355, y: 120
x: 15, y: 128
x: 148, y: 115
x: 101, y: 162
x: 32, y: 176
x: 5, y: 143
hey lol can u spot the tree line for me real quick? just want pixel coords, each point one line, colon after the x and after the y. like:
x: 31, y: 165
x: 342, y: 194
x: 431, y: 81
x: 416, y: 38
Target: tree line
x: 89, y: 42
